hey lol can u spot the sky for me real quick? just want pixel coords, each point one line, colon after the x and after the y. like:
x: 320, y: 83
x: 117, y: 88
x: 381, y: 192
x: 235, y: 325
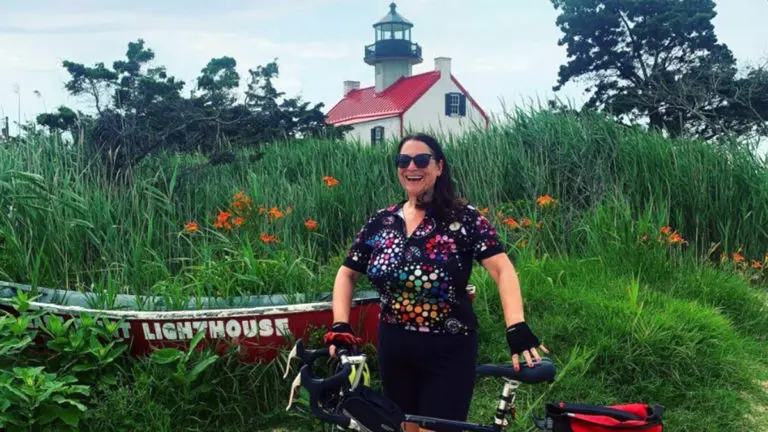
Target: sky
x: 504, y: 52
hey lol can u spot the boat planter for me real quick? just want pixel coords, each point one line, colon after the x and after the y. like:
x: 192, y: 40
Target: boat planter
x: 260, y: 326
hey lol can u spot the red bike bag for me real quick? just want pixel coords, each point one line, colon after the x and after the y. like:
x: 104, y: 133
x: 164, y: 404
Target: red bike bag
x: 636, y: 417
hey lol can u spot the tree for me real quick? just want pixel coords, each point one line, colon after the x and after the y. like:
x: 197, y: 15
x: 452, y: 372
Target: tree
x: 141, y: 109
x: 654, y: 60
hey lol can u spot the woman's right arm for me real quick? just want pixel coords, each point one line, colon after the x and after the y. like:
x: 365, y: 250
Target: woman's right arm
x: 343, y: 286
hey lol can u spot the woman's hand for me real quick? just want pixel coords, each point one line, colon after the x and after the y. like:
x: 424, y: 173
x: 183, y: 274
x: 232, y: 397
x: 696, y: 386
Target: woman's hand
x: 341, y: 336
x: 521, y: 339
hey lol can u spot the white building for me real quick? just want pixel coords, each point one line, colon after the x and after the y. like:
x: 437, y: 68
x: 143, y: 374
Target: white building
x: 399, y: 102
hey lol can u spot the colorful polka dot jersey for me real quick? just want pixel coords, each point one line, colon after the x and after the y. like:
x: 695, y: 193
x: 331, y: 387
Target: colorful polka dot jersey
x: 422, y: 278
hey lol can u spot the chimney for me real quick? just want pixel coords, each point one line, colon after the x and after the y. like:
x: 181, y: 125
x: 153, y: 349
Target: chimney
x: 443, y: 64
x: 351, y: 85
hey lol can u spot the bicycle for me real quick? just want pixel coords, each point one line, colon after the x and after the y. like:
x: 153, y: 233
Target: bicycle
x: 344, y: 401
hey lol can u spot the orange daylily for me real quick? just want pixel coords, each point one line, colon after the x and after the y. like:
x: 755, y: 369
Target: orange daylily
x: 311, y: 224
x: 512, y: 223
x: 267, y: 238
x: 737, y: 257
x: 526, y: 222
x: 545, y: 201
x: 222, y: 220
x: 238, y: 221
x: 756, y: 264
x: 330, y: 181
x: 276, y: 213
x: 241, y: 201
x: 676, y: 238
x: 191, y: 226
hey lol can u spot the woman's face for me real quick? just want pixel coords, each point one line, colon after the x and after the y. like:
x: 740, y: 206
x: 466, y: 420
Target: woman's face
x: 417, y: 175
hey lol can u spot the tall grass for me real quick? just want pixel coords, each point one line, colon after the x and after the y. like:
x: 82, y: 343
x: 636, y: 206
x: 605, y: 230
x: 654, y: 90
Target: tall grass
x: 62, y: 224
x: 627, y: 317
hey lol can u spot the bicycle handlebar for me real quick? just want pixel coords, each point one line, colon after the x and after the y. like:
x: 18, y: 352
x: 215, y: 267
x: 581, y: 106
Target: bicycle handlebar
x: 317, y: 386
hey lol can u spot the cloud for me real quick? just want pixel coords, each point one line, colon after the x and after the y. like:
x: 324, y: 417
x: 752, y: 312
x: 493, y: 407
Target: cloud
x: 221, y: 19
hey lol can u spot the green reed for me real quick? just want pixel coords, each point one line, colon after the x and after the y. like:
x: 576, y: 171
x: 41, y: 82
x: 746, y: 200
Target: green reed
x: 64, y: 224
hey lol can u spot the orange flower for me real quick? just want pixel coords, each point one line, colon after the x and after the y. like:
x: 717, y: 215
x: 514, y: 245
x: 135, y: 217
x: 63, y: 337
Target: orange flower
x: 191, y: 226
x: 737, y: 257
x: 238, y: 221
x: 676, y: 238
x: 274, y: 212
x: 756, y: 264
x: 666, y: 230
x: 262, y: 209
x: 526, y: 222
x: 512, y: 223
x: 241, y: 201
x: 330, y: 181
x: 484, y: 211
x: 523, y: 243
x: 545, y: 201
x: 222, y: 220
x: 266, y: 238
x: 310, y: 224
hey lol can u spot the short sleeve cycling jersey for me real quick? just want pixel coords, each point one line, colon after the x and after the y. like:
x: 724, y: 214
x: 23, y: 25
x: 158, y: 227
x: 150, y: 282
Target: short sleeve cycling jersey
x: 422, y: 278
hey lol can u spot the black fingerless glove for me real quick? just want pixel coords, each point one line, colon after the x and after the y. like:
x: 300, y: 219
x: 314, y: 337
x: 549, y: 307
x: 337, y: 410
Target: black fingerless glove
x: 521, y: 338
x: 342, y: 335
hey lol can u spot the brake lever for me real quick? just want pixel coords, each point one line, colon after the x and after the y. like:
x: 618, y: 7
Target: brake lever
x: 291, y: 355
x: 295, y: 385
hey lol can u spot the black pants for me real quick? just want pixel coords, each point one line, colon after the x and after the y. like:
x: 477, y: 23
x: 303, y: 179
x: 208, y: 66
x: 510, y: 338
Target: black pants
x: 428, y: 374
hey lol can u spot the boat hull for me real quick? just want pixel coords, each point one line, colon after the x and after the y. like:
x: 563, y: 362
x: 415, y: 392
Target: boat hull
x: 258, y: 333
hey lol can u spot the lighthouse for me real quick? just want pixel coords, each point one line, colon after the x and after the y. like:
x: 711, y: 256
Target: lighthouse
x: 400, y: 102
x: 393, y: 53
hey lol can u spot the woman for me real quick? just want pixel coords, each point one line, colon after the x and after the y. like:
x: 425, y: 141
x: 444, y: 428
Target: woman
x: 418, y: 254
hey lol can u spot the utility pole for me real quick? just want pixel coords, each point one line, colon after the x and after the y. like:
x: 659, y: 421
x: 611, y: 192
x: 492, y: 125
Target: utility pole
x: 17, y: 90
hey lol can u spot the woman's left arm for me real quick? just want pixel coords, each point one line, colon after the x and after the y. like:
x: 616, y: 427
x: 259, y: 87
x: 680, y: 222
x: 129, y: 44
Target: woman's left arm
x: 503, y: 273
x: 519, y: 335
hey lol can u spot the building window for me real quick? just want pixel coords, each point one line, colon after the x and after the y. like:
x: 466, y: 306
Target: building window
x: 455, y: 105
x: 377, y: 135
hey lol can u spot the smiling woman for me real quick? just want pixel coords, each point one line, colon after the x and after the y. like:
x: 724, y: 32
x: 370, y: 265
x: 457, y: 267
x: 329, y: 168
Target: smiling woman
x: 419, y: 254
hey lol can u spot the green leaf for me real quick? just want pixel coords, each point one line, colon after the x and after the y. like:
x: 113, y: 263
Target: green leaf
x: 70, y: 415
x: 201, y: 366
x: 61, y: 400
x: 167, y: 355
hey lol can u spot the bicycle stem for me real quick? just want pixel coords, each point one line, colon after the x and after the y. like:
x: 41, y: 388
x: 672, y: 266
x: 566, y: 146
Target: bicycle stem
x: 508, y: 395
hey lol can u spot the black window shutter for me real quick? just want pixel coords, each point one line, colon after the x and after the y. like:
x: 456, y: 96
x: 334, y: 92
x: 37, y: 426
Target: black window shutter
x: 448, y: 104
x: 373, y: 135
x: 462, y: 105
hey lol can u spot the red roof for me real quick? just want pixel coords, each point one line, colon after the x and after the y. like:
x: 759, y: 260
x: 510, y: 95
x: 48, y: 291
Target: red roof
x: 365, y: 105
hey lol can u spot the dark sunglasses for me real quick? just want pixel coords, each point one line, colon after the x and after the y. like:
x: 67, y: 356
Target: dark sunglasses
x: 421, y: 160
